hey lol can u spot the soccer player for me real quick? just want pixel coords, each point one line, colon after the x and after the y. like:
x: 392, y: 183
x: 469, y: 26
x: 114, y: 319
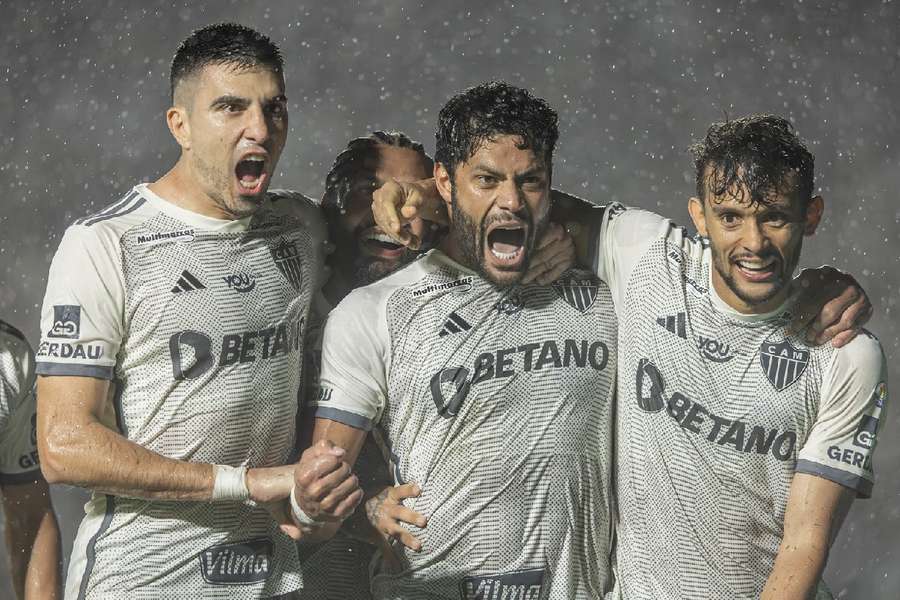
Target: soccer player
x: 32, y: 533
x: 739, y: 445
x: 494, y: 397
x: 173, y: 328
x: 362, y: 255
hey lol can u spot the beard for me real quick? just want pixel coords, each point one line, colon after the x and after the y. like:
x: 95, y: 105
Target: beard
x: 217, y: 183
x: 469, y: 238
x: 370, y: 269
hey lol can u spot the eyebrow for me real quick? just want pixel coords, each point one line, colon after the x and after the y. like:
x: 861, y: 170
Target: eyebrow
x: 530, y: 172
x: 231, y: 99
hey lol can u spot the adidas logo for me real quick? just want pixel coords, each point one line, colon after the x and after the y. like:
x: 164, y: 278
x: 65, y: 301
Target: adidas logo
x: 674, y: 324
x: 187, y: 283
x: 454, y: 324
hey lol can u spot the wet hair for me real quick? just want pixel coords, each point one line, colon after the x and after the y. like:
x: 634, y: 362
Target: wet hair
x: 481, y: 113
x: 352, y: 161
x: 223, y: 43
x: 759, y: 152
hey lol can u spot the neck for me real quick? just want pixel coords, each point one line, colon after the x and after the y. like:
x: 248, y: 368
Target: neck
x: 449, y: 247
x: 181, y: 188
x: 337, y: 286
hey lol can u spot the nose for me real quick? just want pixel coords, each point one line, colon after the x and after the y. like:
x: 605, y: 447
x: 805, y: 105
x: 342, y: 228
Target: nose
x: 753, y: 238
x: 257, y: 126
x: 509, y: 196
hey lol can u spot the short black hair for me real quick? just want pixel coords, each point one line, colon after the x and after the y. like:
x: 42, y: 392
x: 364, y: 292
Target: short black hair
x: 481, y: 113
x: 223, y: 43
x: 353, y: 158
x: 757, y: 151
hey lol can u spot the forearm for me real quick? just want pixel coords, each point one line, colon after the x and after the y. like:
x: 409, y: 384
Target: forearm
x: 798, y: 568
x: 43, y: 577
x: 93, y: 456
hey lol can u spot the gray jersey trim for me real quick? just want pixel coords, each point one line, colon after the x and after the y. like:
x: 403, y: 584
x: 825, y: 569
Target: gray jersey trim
x: 18, y: 478
x: 51, y: 368
x: 91, y: 553
x: 862, y: 485
x: 345, y: 417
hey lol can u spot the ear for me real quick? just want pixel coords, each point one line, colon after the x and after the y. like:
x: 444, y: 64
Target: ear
x: 695, y: 207
x: 177, y: 120
x: 444, y: 185
x: 814, y: 211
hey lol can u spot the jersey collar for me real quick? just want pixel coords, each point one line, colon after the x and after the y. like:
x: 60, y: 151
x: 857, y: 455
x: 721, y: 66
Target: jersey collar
x: 190, y: 217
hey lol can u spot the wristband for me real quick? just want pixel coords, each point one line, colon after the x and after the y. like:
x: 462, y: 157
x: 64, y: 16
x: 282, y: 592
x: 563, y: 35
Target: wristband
x: 230, y: 484
x: 300, y: 516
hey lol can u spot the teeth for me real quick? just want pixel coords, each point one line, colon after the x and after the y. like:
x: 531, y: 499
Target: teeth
x: 381, y: 237
x: 248, y: 184
x: 505, y: 255
x: 254, y: 158
x: 752, y: 267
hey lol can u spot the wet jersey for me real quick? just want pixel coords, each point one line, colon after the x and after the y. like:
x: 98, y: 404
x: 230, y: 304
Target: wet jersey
x: 199, y: 324
x: 18, y: 438
x: 498, y: 404
x: 716, y: 412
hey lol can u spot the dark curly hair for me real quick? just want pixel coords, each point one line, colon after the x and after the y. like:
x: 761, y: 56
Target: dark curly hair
x: 352, y: 160
x: 223, y: 43
x: 757, y: 151
x: 485, y: 111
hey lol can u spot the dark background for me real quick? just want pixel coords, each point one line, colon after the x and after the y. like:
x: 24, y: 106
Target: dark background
x: 84, y: 89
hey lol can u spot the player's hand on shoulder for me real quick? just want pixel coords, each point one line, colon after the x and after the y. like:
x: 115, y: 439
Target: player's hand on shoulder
x: 554, y: 255
x: 831, y: 306
x: 395, y: 204
x: 386, y: 513
x: 325, y: 487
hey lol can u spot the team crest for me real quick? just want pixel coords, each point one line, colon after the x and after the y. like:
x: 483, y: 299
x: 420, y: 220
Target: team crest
x: 782, y: 363
x: 287, y: 259
x: 580, y: 294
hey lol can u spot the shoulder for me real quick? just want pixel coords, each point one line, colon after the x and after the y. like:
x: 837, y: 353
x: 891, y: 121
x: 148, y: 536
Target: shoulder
x: 293, y: 202
x: 118, y: 216
x: 376, y: 295
x: 863, y: 356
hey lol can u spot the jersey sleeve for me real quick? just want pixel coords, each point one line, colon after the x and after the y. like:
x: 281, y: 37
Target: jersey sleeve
x: 623, y: 237
x: 355, y: 347
x: 82, y: 315
x: 854, y: 392
x: 18, y: 443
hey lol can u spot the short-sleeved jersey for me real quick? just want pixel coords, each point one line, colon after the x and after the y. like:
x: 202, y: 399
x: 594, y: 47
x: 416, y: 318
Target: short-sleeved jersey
x: 716, y: 412
x: 497, y: 402
x: 18, y: 439
x: 199, y: 324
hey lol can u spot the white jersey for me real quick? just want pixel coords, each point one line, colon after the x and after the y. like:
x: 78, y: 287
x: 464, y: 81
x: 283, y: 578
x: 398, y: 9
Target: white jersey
x: 716, y: 412
x: 18, y: 438
x: 199, y: 324
x: 498, y: 404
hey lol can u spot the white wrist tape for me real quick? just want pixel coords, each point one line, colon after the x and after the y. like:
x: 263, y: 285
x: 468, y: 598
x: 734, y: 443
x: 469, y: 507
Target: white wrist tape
x: 301, y: 517
x: 230, y: 484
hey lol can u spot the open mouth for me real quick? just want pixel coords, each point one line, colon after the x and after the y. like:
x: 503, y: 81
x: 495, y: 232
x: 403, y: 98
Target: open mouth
x: 376, y: 243
x: 506, y: 243
x: 251, y: 174
x: 757, y: 270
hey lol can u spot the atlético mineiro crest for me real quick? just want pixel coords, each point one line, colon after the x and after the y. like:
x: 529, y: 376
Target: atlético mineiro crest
x: 782, y: 363
x: 579, y: 293
x: 287, y: 259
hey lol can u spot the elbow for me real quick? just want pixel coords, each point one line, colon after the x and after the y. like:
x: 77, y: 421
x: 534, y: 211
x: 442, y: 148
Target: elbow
x: 56, y: 464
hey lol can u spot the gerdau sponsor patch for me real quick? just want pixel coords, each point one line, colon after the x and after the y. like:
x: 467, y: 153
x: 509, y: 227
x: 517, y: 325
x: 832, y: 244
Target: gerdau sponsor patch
x: 238, y: 562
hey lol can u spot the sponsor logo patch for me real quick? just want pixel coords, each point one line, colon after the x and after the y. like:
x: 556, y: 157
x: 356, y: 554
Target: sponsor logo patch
x: 714, y: 350
x: 578, y: 293
x: 518, y: 585
x: 180, y: 235
x: 241, y: 282
x: 240, y: 562
x: 287, y: 259
x: 66, y: 321
x: 782, y: 363
x: 462, y: 285
x: 867, y: 430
